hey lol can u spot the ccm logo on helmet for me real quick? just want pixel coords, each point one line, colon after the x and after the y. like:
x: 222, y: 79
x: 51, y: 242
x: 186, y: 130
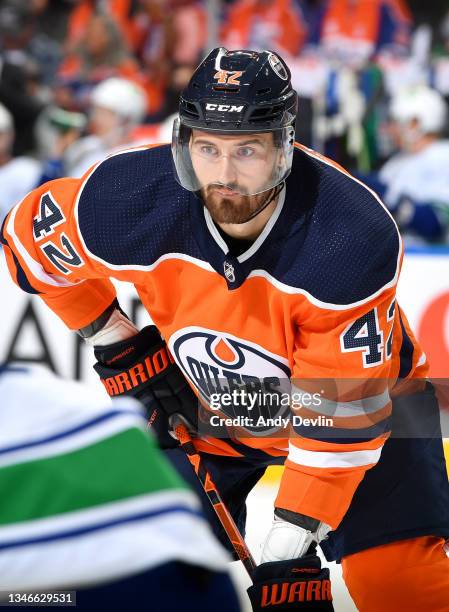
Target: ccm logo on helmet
x: 227, y: 108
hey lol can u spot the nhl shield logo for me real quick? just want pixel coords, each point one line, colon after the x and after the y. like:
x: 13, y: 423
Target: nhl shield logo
x: 229, y: 271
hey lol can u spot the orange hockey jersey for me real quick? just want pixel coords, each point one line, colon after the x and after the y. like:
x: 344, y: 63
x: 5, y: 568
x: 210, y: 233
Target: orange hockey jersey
x: 311, y: 302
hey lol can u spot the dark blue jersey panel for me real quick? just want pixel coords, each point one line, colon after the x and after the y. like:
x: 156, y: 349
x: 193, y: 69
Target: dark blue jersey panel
x: 132, y: 210
x: 350, y: 245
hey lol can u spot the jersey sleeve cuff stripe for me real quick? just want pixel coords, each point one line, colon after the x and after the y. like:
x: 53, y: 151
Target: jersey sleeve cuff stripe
x: 355, y: 408
x: 340, y: 435
x: 345, y: 460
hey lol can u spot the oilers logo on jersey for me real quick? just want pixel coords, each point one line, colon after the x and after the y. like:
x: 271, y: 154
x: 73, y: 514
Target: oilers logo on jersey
x: 240, y: 377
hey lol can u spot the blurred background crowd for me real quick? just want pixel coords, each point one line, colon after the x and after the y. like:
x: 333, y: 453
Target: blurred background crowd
x: 82, y: 78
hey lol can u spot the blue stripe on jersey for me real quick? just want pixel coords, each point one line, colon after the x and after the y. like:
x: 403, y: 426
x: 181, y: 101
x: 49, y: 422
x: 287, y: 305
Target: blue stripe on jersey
x: 6, y: 368
x: 69, y: 432
x: 437, y: 249
x: 70, y: 533
x: 257, y: 455
x: 22, y: 279
x: 405, y: 353
x: 2, y: 232
x: 337, y: 435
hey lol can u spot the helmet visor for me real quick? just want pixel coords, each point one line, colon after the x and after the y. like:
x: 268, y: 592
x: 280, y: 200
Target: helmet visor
x: 244, y: 163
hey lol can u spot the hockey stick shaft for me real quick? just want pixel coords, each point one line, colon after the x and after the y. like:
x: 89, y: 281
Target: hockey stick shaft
x: 223, y: 514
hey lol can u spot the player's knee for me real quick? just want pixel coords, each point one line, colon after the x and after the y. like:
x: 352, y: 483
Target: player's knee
x: 410, y: 575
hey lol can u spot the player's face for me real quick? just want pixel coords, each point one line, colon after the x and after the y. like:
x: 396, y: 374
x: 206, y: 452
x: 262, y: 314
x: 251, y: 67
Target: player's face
x: 230, y: 168
x: 409, y: 135
x: 103, y: 121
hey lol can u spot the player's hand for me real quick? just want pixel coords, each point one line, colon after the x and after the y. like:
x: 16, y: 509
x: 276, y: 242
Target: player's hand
x: 296, y: 584
x: 142, y: 366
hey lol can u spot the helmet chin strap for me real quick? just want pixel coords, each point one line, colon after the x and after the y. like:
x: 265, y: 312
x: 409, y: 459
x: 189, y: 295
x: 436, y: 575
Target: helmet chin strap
x: 274, y: 194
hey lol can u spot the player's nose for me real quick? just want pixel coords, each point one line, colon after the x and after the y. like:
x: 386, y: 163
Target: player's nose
x: 227, y: 171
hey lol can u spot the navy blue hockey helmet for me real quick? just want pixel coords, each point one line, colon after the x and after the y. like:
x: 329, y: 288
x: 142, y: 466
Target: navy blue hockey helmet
x: 236, y: 93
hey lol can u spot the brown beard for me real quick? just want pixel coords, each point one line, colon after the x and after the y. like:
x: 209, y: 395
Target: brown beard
x: 232, y: 210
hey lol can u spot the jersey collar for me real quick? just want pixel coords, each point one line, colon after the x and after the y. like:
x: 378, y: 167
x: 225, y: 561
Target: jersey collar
x: 252, y: 250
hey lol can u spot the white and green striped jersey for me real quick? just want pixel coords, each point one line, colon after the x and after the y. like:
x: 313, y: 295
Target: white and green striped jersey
x: 85, y: 495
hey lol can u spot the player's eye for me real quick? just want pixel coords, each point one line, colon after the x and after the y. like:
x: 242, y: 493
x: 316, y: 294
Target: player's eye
x: 245, y: 152
x: 208, y: 151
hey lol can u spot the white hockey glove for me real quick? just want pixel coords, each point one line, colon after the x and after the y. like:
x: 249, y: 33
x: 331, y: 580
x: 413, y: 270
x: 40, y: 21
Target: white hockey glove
x: 291, y: 536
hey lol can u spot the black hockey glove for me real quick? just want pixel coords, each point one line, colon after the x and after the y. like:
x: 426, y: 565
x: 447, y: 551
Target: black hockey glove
x: 143, y: 367
x: 293, y: 585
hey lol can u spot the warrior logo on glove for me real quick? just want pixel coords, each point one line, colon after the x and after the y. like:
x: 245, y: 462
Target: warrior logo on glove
x: 296, y: 584
x: 291, y: 592
x: 139, y: 373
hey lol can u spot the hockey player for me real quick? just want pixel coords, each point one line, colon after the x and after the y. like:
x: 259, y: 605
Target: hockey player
x: 263, y: 265
x: 415, y: 180
x: 117, y: 107
x: 89, y: 504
